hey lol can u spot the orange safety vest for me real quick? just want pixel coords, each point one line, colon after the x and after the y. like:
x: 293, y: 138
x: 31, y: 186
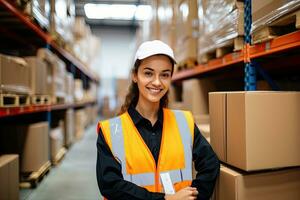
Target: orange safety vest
x: 138, y: 164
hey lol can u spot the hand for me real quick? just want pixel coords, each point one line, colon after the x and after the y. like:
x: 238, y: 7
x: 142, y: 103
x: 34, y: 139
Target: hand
x: 188, y: 193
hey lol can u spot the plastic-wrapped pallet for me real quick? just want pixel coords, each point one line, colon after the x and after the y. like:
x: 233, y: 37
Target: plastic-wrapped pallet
x: 266, y: 13
x: 221, y: 22
x: 187, y: 28
x: 167, y: 22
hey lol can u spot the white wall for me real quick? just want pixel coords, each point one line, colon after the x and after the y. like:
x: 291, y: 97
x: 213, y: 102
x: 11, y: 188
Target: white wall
x: 115, y: 59
x: 117, y: 48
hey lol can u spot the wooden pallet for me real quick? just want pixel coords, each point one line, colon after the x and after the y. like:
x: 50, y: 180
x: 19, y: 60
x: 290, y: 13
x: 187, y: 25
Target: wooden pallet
x: 31, y: 180
x: 40, y: 100
x: 59, y: 156
x: 186, y: 64
x: 14, y: 100
x: 284, y: 25
x: 58, y: 100
x: 230, y: 46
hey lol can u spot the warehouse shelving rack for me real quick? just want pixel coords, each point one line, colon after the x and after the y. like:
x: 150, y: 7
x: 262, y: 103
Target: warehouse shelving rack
x: 19, y: 29
x: 273, y: 52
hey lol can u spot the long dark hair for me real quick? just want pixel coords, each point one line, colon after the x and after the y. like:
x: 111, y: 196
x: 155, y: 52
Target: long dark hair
x: 132, y: 96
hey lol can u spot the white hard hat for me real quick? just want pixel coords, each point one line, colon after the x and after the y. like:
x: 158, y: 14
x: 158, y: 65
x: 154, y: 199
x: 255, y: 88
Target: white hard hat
x: 153, y: 47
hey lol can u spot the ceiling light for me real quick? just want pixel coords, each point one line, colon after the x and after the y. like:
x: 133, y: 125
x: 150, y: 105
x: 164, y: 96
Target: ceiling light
x: 117, y: 11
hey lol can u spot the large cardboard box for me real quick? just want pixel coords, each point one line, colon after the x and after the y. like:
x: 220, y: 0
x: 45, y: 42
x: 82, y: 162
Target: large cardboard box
x: 56, y: 140
x: 69, y: 88
x: 9, y: 177
x: 256, y: 130
x: 14, y: 75
x: 80, y: 122
x: 195, y: 95
x: 56, y: 70
x: 272, y: 185
x: 218, y: 124
x: 36, y: 147
x: 69, y: 127
x: 38, y: 72
x: 31, y: 142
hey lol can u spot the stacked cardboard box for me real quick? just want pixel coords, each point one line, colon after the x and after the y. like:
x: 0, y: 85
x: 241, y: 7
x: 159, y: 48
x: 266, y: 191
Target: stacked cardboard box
x: 9, y: 177
x: 221, y: 22
x: 266, y: 13
x: 78, y: 90
x: 256, y: 131
x: 122, y: 88
x: 80, y: 123
x: 187, y: 29
x: 195, y: 95
x: 69, y: 127
x: 14, y: 75
x: 69, y: 88
x: 56, y: 140
x: 38, y: 78
x: 56, y: 71
x: 202, y: 122
x: 275, y: 185
x: 62, y: 19
x: 30, y: 141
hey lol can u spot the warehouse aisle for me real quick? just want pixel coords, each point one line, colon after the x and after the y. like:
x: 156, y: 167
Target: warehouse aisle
x: 74, y: 178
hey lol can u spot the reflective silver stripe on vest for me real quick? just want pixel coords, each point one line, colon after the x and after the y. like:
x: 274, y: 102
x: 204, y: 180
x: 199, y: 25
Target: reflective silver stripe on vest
x: 143, y: 179
x: 117, y: 141
x: 186, y: 138
x: 175, y: 176
x: 118, y: 149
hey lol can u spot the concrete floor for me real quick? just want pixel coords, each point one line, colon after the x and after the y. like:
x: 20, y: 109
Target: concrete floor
x: 74, y: 178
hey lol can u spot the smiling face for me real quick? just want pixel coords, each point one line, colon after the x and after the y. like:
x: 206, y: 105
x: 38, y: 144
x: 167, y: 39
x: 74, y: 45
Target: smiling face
x: 153, y: 78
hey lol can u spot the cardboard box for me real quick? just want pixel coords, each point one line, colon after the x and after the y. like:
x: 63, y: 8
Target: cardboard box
x: 69, y: 87
x: 69, y: 127
x: 79, y: 123
x: 56, y: 70
x: 195, y: 95
x: 218, y: 123
x: 56, y: 140
x: 202, y: 122
x: 9, y: 177
x: 249, y: 128
x: 14, y: 75
x: 272, y: 185
x: 36, y: 147
x: 38, y: 71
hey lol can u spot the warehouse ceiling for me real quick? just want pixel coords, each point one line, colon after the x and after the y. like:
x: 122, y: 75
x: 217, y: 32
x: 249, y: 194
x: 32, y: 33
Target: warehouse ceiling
x: 101, y: 21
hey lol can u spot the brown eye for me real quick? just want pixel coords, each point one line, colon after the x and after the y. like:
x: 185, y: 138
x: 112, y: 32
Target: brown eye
x: 148, y: 73
x: 165, y: 75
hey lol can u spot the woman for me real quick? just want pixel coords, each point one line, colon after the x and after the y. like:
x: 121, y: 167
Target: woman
x: 147, y: 151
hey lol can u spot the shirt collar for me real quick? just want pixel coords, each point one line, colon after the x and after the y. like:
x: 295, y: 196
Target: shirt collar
x: 137, y: 117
